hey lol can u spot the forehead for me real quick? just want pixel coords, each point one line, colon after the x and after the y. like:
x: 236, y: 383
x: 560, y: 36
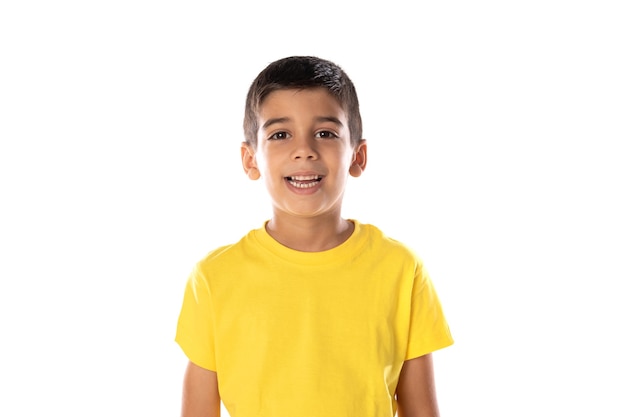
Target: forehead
x: 310, y: 101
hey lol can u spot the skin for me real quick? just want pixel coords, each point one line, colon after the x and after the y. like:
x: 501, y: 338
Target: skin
x: 416, y: 389
x: 305, y: 133
x: 200, y: 394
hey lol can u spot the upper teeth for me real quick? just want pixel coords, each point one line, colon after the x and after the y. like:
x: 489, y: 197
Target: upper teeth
x: 304, y: 177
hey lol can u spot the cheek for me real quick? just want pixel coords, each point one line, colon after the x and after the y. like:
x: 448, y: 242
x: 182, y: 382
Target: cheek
x: 261, y: 162
x: 347, y: 162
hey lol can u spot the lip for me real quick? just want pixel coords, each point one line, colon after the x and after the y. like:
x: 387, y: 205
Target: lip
x: 304, y: 173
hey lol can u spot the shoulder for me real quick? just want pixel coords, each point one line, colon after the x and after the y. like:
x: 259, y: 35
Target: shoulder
x: 386, y: 246
x: 216, y: 254
x: 379, y: 238
x: 224, y: 255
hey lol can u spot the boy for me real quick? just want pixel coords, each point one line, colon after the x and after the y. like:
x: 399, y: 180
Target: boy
x: 311, y: 315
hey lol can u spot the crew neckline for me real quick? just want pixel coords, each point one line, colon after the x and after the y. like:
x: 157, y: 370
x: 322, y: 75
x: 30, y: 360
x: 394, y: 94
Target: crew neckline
x: 339, y: 253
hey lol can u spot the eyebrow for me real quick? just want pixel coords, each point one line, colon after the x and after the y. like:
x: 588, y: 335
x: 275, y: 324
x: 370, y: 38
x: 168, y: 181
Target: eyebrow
x: 278, y: 120
x: 274, y: 121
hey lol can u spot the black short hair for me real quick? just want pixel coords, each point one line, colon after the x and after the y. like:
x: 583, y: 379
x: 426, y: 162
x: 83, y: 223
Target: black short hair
x: 302, y: 72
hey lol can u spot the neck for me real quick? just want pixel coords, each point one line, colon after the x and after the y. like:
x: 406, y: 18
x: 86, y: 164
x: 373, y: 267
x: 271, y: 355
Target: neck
x: 310, y: 234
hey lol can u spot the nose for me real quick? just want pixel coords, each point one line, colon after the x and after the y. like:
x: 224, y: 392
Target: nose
x: 304, y: 148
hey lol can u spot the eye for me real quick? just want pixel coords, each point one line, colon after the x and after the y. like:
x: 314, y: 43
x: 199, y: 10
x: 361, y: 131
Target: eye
x: 326, y: 134
x: 279, y: 136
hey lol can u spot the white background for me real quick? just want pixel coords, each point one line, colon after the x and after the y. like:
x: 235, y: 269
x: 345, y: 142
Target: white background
x: 496, y: 136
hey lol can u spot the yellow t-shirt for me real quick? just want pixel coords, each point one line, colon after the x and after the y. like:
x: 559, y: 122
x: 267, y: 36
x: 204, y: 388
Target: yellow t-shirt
x: 310, y: 334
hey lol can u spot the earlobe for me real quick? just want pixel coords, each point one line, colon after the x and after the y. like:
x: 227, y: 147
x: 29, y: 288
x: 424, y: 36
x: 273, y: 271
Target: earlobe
x: 253, y: 174
x: 359, y: 159
x: 248, y: 161
x: 355, y: 170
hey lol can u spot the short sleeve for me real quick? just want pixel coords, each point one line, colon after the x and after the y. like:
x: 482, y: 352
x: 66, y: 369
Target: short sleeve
x: 196, y: 327
x: 429, y: 329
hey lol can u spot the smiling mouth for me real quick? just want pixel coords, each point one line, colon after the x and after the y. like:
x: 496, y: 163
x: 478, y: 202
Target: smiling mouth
x: 304, y: 181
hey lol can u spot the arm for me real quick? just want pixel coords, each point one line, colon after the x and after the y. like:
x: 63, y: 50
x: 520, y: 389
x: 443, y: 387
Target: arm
x: 200, y: 395
x: 416, y: 389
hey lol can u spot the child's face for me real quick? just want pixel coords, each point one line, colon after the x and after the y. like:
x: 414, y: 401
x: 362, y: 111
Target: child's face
x: 303, y: 152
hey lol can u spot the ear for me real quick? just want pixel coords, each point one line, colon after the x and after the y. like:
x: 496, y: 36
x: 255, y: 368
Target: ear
x: 359, y: 159
x: 248, y: 161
